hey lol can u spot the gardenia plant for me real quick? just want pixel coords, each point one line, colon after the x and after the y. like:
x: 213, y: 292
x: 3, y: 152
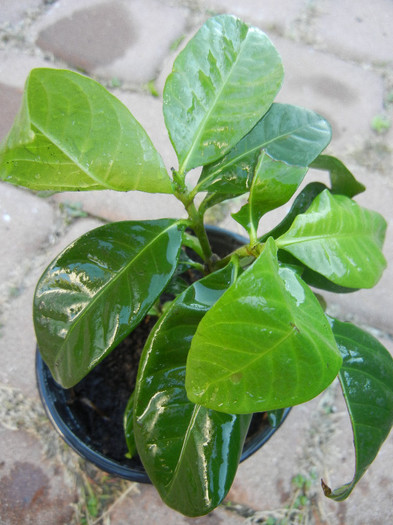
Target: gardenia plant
x: 249, y: 334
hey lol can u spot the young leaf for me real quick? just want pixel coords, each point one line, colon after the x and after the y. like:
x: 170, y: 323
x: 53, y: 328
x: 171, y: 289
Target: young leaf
x: 98, y: 289
x: 342, y: 180
x: 339, y: 239
x: 265, y: 344
x: 72, y: 134
x: 366, y: 378
x: 287, y: 133
x: 189, y: 452
x: 300, y: 205
x: 272, y: 184
x: 222, y: 83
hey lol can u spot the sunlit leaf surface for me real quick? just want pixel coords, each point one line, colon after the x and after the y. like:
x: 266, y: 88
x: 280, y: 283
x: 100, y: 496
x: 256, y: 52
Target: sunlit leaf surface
x: 72, y: 134
x: 222, y: 83
x: 339, y: 239
x: 265, y: 344
x: 98, y: 289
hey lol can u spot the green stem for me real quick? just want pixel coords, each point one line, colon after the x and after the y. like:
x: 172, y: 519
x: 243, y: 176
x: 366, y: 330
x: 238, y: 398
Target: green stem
x: 181, y: 192
x: 200, y: 231
x: 246, y: 255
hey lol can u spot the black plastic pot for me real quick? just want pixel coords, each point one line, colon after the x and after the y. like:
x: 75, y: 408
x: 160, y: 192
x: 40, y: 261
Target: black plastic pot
x: 68, y: 423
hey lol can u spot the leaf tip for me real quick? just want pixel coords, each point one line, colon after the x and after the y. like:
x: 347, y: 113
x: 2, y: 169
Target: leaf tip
x: 326, y: 489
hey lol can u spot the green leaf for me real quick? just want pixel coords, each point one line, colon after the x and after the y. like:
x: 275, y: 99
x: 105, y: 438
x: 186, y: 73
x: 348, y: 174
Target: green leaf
x: 128, y: 424
x: 98, y: 289
x: 189, y: 452
x: 266, y: 344
x: 342, y: 180
x: 222, y: 83
x: 366, y: 378
x: 340, y: 240
x: 273, y: 184
x: 300, y: 205
x: 287, y: 133
x: 72, y: 134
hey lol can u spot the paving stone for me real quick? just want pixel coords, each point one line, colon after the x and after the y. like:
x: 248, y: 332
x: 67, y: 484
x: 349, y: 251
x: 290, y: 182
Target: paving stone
x: 120, y: 206
x: 316, y: 442
x: 26, y: 222
x: 18, y: 343
x: 14, y: 69
x: 347, y: 95
x: 13, y: 12
x: 32, y: 489
x: 369, y: 501
x: 117, y: 39
x: 8, y: 110
x: 267, y: 15
x: 146, y: 502
x: 263, y: 481
x: 360, y: 31
x: 74, y: 39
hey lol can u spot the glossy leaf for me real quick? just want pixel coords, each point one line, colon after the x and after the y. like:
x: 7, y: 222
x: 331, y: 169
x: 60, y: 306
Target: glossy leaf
x: 340, y: 240
x: 265, y: 344
x: 342, y: 180
x: 272, y: 184
x: 222, y: 83
x: 190, y: 453
x: 128, y: 424
x: 72, y: 134
x: 366, y: 378
x: 287, y: 133
x: 98, y: 289
x: 300, y: 205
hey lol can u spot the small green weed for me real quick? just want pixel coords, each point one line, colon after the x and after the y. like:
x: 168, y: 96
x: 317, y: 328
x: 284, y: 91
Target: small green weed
x: 380, y: 124
x: 151, y: 87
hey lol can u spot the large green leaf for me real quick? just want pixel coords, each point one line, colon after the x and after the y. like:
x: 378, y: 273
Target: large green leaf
x: 265, y: 344
x: 287, y: 133
x: 98, y: 289
x: 366, y: 378
x: 339, y: 239
x: 301, y: 205
x: 222, y: 83
x: 273, y: 183
x: 341, y: 178
x: 71, y: 134
x: 189, y: 452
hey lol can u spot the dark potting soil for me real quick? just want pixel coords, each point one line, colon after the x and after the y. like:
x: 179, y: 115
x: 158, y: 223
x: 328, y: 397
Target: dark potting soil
x: 98, y: 401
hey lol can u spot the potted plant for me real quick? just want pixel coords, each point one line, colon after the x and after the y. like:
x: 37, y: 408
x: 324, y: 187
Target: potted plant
x: 243, y: 333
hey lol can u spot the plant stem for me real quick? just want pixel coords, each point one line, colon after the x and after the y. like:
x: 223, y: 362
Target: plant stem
x: 181, y: 193
x: 200, y: 231
x: 246, y: 255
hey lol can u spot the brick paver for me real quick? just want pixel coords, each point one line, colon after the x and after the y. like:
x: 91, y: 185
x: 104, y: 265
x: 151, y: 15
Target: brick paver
x: 337, y: 58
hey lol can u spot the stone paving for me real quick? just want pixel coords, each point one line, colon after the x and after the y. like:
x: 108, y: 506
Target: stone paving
x: 338, y: 61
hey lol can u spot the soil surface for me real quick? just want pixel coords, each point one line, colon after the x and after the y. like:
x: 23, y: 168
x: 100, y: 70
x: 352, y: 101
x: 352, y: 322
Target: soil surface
x: 99, y: 400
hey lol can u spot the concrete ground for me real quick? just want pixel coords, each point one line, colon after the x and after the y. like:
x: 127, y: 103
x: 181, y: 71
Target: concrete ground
x: 338, y: 61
